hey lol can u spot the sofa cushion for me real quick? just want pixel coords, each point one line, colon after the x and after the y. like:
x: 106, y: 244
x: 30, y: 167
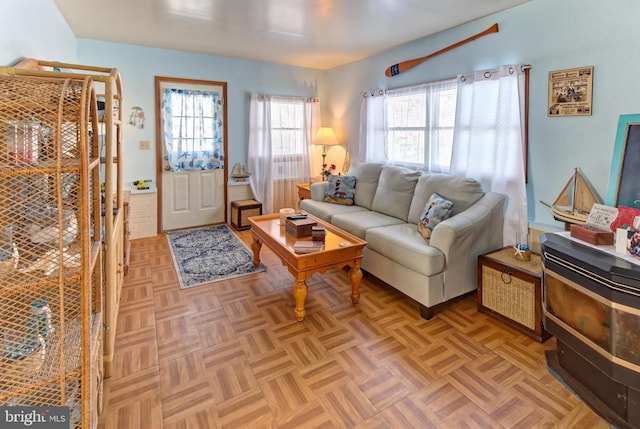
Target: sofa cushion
x: 340, y: 189
x: 318, y: 190
x: 435, y: 211
x: 395, y: 192
x: 326, y: 211
x: 367, y: 175
x: 461, y: 191
x: 358, y: 223
x: 404, y: 245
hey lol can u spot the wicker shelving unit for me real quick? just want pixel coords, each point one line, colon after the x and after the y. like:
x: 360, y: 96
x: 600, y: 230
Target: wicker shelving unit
x: 51, y: 286
x: 108, y: 84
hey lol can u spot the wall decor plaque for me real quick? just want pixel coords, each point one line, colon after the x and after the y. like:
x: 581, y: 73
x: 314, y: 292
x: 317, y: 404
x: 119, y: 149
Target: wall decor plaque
x: 570, y: 92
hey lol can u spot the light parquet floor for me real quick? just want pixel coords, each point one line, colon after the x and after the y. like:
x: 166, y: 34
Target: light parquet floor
x: 231, y: 355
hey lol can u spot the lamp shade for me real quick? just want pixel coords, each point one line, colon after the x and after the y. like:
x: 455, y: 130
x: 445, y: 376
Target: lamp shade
x: 326, y: 137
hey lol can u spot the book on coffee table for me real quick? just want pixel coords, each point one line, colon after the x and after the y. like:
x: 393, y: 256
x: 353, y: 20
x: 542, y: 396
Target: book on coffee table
x: 307, y: 246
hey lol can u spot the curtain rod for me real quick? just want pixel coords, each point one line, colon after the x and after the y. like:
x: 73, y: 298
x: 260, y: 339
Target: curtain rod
x: 372, y: 93
x: 285, y: 97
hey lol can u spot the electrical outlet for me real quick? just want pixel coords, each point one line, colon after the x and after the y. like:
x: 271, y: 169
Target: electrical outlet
x: 145, y: 145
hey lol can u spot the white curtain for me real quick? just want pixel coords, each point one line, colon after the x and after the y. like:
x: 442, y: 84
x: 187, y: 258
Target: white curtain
x: 259, y: 151
x: 488, y: 143
x: 372, y: 128
x: 192, y: 129
x: 280, y: 134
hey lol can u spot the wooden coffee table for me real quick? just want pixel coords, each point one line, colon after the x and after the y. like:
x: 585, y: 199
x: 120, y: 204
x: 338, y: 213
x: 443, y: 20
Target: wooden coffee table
x: 340, y: 249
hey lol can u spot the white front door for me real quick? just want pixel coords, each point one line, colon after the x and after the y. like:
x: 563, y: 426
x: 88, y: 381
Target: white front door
x: 192, y: 198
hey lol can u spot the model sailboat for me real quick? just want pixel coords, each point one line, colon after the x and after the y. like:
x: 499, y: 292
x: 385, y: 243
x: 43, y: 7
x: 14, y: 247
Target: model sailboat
x: 239, y: 173
x: 575, y: 201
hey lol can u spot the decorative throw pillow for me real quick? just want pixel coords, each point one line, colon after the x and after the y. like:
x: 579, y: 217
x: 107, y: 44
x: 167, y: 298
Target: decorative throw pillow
x: 436, y: 210
x: 340, y: 189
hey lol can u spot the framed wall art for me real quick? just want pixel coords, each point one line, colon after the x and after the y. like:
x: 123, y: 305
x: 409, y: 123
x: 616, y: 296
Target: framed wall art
x: 570, y: 92
x: 624, y: 177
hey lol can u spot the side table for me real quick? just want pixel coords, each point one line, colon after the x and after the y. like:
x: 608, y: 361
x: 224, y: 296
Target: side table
x: 304, y: 192
x: 510, y: 290
x: 240, y: 212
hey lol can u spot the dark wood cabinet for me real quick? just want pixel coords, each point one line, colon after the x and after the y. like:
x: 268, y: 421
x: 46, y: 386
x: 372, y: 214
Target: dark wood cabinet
x: 592, y: 306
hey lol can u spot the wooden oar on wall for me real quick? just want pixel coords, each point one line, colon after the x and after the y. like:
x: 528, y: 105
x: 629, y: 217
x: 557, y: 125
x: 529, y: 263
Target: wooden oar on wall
x: 407, y: 65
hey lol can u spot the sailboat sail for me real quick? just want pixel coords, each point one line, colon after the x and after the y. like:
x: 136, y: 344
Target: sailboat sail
x: 574, y: 201
x: 565, y: 198
x: 584, y: 196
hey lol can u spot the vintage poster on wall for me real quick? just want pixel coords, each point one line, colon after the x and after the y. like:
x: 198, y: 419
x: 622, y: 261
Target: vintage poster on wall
x: 570, y: 92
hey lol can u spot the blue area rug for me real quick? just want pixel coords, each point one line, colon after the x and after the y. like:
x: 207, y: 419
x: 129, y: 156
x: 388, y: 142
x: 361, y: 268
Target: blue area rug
x: 209, y: 254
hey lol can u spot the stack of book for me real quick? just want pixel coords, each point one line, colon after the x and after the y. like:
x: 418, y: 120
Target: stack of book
x: 307, y: 246
x: 318, y: 233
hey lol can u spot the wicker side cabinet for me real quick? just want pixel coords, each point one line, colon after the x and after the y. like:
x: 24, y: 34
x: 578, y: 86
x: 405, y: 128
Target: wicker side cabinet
x: 510, y: 290
x: 240, y: 212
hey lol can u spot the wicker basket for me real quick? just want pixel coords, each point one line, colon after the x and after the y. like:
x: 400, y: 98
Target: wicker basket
x: 510, y: 289
x: 508, y: 295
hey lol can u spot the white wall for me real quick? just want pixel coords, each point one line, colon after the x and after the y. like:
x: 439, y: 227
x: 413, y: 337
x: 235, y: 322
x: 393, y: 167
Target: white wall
x: 138, y: 66
x: 34, y: 29
x: 549, y: 35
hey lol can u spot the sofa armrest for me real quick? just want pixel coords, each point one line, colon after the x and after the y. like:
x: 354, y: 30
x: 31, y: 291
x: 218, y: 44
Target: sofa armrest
x: 466, y: 235
x: 318, y: 190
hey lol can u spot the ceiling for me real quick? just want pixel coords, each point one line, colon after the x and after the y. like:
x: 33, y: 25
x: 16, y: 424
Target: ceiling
x: 319, y: 34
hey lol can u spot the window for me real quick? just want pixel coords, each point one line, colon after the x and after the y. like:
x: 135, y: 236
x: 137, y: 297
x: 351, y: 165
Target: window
x: 193, y: 115
x: 287, y: 137
x: 419, y: 123
x: 287, y: 127
x: 192, y: 128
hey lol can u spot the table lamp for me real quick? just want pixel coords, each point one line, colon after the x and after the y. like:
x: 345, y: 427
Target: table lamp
x: 325, y: 137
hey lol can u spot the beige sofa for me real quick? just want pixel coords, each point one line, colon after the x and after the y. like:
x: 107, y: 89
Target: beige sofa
x: 388, y: 203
